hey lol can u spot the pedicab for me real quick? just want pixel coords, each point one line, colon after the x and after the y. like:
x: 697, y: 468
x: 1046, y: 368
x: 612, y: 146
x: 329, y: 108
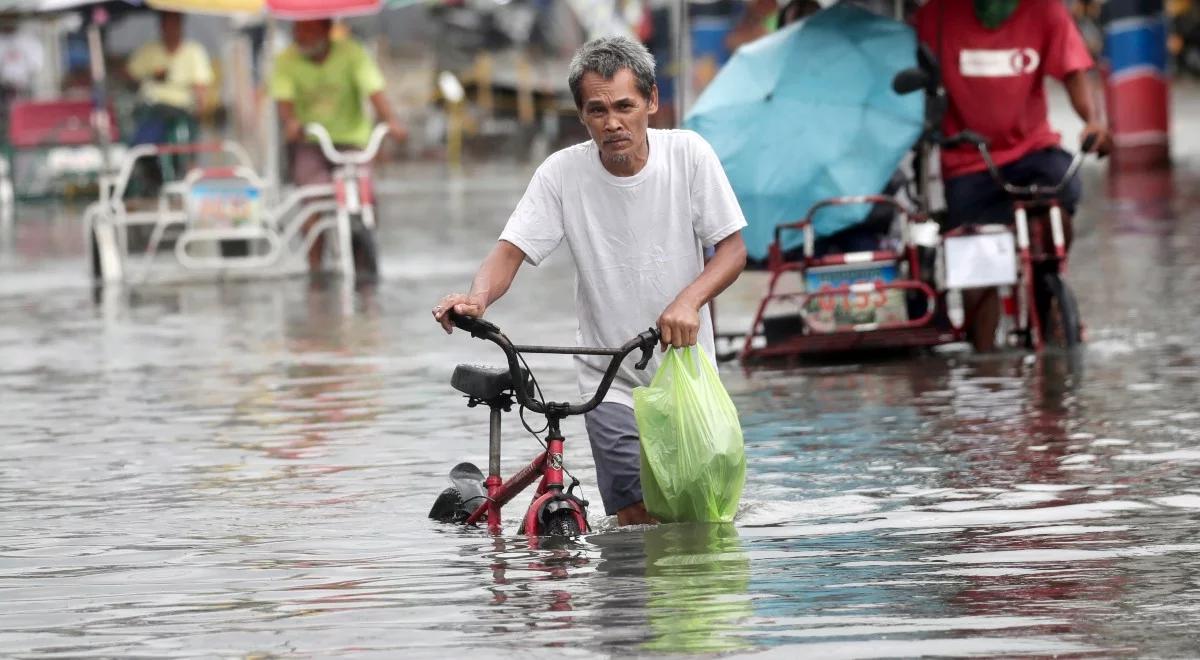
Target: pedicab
x: 222, y: 219
x: 76, y: 136
x: 826, y: 133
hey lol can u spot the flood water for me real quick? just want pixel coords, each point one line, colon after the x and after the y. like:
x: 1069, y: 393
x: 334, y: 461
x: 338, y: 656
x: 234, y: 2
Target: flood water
x: 244, y: 469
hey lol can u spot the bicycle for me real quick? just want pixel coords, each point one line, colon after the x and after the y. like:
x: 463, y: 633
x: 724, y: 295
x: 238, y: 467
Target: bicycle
x: 354, y: 192
x: 556, y: 511
x: 1042, y: 307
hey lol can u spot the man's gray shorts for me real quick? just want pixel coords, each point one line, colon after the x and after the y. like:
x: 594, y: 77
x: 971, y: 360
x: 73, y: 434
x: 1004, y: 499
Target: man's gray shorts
x: 616, y: 449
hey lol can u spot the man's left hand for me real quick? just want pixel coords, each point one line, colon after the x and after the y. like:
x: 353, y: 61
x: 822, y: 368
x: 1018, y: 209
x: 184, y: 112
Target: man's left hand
x: 1103, y: 137
x: 679, y: 325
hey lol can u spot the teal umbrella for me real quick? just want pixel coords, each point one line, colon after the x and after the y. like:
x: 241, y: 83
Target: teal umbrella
x: 807, y: 113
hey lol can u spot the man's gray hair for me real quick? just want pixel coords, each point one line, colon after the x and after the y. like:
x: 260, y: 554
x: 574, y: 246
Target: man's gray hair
x: 606, y: 56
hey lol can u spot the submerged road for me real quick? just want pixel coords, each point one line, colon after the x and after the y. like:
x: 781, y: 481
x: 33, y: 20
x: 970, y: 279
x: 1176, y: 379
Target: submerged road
x: 245, y: 468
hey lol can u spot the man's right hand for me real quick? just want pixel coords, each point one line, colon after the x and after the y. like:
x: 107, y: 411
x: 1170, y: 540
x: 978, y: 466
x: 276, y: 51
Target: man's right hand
x: 1103, y: 139
x: 473, y: 305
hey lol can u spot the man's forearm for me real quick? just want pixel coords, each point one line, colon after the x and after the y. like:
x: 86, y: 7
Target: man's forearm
x: 383, y: 109
x: 497, y: 272
x: 722, y: 270
x: 200, y: 96
x: 1079, y: 89
x: 287, y: 112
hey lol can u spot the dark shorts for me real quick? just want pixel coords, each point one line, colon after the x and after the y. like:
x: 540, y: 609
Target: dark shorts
x: 976, y: 199
x: 307, y: 165
x: 616, y: 449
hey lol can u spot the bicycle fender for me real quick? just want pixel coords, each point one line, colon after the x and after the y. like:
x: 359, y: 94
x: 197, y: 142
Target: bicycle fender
x: 549, y: 503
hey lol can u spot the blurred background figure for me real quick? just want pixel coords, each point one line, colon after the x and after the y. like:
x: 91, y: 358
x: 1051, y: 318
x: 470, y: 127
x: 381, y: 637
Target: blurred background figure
x: 1184, y: 42
x: 174, y: 76
x: 761, y: 17
x: 21, y: 59
x: 327, y: 81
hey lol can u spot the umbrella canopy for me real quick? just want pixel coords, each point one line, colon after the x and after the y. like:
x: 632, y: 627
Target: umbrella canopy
x: 218, y: 7
x: 49, y: 6
x: 808, y: 113
x: 299, y: 10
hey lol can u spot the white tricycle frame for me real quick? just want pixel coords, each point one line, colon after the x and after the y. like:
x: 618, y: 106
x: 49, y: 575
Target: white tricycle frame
x: 279, y: 236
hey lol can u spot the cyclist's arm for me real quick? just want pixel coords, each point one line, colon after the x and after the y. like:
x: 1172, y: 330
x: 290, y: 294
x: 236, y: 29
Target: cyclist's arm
x: 495, y: 275
x: 1079, y: 89
x: 680, y: 322
x: 383, y: 113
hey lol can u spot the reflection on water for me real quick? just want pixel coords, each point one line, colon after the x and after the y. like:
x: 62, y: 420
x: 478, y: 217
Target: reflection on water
x: 245, y: 469
x: 696, y: 581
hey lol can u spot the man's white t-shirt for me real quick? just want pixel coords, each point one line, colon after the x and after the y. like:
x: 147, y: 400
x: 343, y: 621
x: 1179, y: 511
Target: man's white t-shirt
x: 637, y: 241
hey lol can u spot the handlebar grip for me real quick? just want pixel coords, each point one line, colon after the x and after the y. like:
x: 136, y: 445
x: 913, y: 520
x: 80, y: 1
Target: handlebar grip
x: 965, y: 137
x: 477, y: 327
x: 1089, y: 143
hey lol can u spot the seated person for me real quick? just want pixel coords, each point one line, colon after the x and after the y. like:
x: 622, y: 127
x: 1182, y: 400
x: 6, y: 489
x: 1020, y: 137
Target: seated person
x: 174, y: 77
x: 868, y: 235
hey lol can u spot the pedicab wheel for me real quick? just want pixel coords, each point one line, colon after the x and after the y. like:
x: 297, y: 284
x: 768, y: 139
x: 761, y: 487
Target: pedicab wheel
x: 561, y: 523
x: 8, y: 201
x: 366, y: 254
x: 1061, y: 327
x: 97, y: 269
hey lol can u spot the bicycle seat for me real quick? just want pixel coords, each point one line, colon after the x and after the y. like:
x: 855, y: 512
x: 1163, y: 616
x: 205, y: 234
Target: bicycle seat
x: 483, y: 382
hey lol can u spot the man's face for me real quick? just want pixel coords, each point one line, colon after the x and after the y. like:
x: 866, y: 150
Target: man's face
x: 312, y: 38
x: 171, y: 28
x: 616, y: 114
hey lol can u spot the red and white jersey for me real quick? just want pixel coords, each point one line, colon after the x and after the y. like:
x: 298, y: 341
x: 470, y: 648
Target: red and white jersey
x: 995, y: 78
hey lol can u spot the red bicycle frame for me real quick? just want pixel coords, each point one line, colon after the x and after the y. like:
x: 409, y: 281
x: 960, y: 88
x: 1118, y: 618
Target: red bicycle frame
x: 549, y: 466
x: 1026, y: 257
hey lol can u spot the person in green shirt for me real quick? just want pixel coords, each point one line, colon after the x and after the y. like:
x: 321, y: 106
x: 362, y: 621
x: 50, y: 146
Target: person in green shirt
x: 326, y: 81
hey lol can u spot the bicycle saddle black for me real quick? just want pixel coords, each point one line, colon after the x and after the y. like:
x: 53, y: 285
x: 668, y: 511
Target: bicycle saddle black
x: 484, y: 382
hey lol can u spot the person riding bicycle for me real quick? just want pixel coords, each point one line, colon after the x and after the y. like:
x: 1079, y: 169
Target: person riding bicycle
x: 994, y: 55
x: 637, y: 207
x: 174, y: 76
x: 322, y: 80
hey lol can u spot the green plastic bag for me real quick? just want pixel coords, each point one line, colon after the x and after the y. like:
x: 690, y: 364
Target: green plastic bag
x: 693, y: 459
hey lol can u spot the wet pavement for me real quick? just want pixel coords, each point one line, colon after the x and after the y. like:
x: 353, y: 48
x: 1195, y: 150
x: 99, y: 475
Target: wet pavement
x: 244, y: 469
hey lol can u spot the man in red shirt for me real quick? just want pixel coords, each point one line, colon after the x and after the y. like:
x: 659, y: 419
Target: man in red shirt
x: 995, y: 55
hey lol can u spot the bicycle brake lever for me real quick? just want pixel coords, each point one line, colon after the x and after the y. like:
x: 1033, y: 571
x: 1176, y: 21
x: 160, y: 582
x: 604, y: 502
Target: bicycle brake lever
x: 649, y: 339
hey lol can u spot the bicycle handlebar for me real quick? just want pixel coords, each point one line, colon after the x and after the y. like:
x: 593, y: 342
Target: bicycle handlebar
x: 361, y: 157
x: 1032, y: 191
x: 481, y: 329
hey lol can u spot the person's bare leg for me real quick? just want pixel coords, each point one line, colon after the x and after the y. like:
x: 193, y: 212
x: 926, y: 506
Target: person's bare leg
x: 635, y: 514
x: 982, y: 308
x: 318, y: 247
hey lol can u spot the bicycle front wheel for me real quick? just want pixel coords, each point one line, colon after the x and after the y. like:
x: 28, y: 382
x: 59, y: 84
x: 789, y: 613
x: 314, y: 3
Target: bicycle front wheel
x: 561, y: 523
x: 1056, y: 307
x: 366, y: 252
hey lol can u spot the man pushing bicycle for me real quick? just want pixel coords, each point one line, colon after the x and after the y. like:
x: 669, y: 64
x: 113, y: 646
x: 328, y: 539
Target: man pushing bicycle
x: 637, y: 208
